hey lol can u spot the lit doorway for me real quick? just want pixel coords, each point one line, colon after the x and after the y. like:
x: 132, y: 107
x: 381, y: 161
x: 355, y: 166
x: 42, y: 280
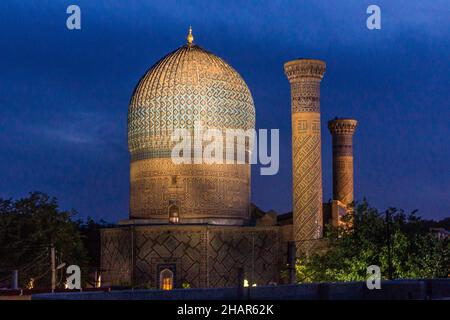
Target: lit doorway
x: 174, y: 212
x: 166, y: 279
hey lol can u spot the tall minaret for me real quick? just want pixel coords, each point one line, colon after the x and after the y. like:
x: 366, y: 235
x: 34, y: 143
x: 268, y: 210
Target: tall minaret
x: 304, y: 76
x: 342, y: 131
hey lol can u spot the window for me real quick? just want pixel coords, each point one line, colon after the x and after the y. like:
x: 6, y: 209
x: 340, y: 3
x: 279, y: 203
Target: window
x: 174, y: 213
x: 166, y: 279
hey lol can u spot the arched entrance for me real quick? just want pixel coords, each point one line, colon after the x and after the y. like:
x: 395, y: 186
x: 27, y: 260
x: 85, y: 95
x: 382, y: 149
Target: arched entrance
x: 166, y: 279
x: 174, y: 212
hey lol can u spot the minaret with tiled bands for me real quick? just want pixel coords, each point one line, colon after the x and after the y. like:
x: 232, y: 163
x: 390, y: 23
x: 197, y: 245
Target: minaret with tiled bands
x: 305, y: 76
x: 342, y: 131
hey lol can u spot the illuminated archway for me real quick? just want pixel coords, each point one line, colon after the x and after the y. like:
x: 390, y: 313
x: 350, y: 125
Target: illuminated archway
x: 174, y: 213
x: 166, y: 279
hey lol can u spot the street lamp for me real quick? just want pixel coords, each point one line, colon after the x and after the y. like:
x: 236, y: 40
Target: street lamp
x: 388, y: 239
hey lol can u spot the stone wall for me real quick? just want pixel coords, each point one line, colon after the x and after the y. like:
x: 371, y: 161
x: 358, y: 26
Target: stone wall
x: 116, y: 256
x: 182, y: 249
x: 254, y: 249
x: 201, y: 256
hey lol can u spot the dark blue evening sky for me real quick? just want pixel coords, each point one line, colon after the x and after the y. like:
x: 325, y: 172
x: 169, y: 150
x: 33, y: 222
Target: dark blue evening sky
x: 64, y: 94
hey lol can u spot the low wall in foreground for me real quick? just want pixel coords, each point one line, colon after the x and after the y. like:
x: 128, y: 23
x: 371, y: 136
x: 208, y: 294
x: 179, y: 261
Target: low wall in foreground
x: 390, y: 290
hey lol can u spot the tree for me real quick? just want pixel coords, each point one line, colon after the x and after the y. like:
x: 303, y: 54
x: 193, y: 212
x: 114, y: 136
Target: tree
x: 90, y: 232
x: 28, y: 227
x: 415, y: 252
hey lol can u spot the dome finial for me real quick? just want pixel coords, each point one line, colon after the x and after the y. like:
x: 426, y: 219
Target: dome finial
x: 190, y: 37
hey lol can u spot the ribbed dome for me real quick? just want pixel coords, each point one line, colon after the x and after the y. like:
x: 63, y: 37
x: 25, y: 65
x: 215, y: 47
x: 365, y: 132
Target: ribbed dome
x: 187, y: 85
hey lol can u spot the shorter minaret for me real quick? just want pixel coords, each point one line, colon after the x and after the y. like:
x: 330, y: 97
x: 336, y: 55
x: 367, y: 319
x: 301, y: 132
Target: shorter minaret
x: 342, y: 131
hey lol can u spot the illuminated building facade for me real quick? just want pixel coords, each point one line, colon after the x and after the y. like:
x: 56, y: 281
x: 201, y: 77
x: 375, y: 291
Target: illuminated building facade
x: 305, y: 76
x: 192, y: 224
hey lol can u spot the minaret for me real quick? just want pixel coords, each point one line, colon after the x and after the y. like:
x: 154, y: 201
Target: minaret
x: 342, y: 131
x: 304, y: 76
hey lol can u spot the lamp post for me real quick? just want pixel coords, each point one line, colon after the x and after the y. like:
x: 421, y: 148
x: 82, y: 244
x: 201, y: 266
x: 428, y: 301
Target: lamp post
x: 291, y: 262
x: 15, y: 280
x: 53, y: 267
x: 388, y: 239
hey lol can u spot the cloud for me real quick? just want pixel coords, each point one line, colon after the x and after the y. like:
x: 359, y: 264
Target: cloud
x: 73, y: 128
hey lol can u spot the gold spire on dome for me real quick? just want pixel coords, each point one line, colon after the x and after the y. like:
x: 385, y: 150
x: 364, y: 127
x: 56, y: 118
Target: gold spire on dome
x: 190, y: 37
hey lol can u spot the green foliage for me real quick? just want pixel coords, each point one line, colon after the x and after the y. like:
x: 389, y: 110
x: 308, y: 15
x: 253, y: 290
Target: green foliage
x: 415, y: 252
x: 185, y: 285
x: 28, y: 227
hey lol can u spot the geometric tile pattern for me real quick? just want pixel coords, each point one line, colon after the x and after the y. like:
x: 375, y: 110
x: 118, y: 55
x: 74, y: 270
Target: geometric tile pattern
x: 184, y: 248
x: 304, y: 76
x: 188, y: 85
x: 307, y: 190
x: 115, y: 259
x: 342, y: 131
x: 255, y: 251
x: 203, y: 256
x: 201, y: 191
